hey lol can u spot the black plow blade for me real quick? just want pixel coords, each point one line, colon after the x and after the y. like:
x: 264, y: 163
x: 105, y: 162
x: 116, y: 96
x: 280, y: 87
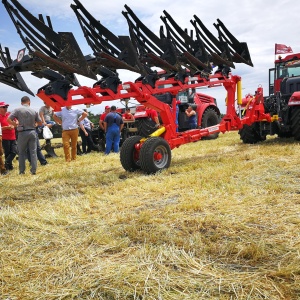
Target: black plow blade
x: 111, y: 51
x: 192, y: 53
x: 13, y: 79
x: 239, y: 50
x: 153, y: 51
x: 218, y: 49
x: 58, y: 51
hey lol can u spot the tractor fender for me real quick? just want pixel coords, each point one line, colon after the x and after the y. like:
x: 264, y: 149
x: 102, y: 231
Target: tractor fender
x: 295, y: 99
x: 141, y: 114
x: 203, y: 107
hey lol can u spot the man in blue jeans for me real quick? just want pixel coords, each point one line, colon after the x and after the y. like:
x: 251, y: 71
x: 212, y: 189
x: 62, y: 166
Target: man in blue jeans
x: 40, y: 156
x: 113, y: 125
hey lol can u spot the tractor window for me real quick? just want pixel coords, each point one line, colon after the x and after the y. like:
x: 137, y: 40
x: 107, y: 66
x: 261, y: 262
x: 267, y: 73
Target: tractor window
x: 293, y: 71
x: 182, y: 97
x: 289, y: 69
x: 281, y: 71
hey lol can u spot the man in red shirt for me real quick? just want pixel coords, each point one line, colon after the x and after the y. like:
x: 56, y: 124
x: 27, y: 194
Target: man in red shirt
x: 128, y: 115
x: 102, y: 117
x: 9, y: 142
x: 152, y: 113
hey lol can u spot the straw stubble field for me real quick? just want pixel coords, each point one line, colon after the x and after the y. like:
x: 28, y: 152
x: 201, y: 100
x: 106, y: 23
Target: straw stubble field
x: 221, y: 223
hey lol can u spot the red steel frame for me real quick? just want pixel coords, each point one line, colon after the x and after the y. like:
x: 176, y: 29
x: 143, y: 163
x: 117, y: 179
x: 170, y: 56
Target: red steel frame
x: 143, y: 93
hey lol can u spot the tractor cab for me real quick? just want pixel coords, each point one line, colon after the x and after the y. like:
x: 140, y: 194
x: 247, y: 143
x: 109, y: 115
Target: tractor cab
x: 284, y: 78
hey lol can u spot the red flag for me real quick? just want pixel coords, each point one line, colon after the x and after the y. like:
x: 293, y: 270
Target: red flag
x: 282, y: 49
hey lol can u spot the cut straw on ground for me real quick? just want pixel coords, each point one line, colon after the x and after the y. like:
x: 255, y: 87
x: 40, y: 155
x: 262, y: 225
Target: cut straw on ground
x: 221, y: 223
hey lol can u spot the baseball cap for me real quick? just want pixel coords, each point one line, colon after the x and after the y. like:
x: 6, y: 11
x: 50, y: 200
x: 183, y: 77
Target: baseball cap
x: 106, y: 107
x: 3, y: 104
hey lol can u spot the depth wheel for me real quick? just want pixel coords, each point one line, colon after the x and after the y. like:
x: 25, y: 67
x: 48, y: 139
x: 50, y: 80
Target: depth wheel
x: 129, y: 156
x: 145, y: 126
x: 155, y: 155
x: 251, y: 134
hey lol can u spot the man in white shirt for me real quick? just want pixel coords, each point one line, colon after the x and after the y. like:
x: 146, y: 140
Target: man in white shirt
x: 68, y: 118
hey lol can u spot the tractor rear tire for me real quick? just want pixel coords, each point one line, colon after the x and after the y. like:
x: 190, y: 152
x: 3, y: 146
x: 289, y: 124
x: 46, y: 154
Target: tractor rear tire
x: 210, y: 118
x: 129, y: 157
x: 145, y: 126
x: 295, y: 123
x: 155, y: 155
x: 251, y: 134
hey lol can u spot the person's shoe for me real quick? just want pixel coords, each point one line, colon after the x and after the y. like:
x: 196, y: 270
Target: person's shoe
x: 4, y: 173
x: 44, y: 163
x: 9, y: 167
x: 21, y: 173
x: 32, y: 173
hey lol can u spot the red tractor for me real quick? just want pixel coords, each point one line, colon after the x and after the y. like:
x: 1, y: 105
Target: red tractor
x: 207, y: 112
x: 283, y: 101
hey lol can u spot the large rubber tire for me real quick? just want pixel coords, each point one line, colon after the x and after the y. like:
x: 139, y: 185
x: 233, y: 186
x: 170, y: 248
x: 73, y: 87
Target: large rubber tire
x: 295, y: 123
x: 129, y: 157
x: 210, y: 118
x: 251, y: 134
x: 145, y: 126
x: 284, y: 135
x: 155, y: 155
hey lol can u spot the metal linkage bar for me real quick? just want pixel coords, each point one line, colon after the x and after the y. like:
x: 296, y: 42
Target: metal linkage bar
x: 138, y: 90
x: 56, y: 51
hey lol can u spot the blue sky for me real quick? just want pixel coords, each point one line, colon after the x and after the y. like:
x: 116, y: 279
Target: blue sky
x: 256, y: 22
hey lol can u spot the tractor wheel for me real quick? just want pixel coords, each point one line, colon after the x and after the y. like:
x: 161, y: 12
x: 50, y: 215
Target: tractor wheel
x: 155, y: 155
x: 284, y: 135
x: 101, y: 145
x: 129, y: 156
x: 251, y: 134
x: 145, y: 126
x: 295, y: 120
x: 210, y: 118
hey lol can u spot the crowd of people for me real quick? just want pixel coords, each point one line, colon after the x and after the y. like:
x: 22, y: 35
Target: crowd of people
x: 20, y: 129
